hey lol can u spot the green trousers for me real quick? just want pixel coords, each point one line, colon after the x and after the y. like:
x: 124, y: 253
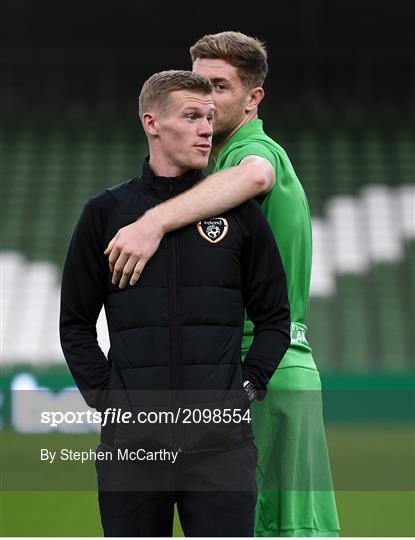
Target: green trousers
x: 295, y: 492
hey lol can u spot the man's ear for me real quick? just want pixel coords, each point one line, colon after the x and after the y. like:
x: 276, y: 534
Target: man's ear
x: 255, y: 97
x: 150, y: 123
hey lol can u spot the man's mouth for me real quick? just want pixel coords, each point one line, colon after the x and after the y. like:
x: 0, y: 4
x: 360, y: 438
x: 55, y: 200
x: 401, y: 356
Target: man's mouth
x: 203, y: 146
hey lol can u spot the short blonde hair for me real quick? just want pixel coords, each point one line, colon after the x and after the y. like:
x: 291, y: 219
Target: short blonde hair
x: 156, y: 89
x: 246, y: 53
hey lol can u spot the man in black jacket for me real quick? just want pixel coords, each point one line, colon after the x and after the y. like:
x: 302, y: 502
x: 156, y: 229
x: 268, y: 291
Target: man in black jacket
x: 176, y: 335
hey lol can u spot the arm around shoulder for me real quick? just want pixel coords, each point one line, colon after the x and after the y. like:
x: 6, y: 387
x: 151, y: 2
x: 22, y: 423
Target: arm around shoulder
x: 260, y: 172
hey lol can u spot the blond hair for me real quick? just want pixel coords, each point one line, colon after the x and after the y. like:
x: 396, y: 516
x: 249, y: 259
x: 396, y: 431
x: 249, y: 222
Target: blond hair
x: 156, y: 89
x: 246, y: 53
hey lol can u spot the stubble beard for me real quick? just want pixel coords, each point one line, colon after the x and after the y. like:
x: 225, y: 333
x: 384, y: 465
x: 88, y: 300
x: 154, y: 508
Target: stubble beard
x: 221, y: 131
x: 226, y: 125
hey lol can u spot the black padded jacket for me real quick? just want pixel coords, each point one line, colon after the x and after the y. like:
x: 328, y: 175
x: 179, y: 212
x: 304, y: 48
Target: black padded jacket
x: 175, y: 336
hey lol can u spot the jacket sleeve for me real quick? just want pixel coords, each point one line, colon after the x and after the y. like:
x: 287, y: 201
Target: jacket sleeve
x: 83, y: 290
x: 266, y: 299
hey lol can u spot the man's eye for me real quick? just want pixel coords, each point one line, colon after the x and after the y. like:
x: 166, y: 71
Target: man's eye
x: 191, y: 116
x: 209, y: 118
x: 220, y: 87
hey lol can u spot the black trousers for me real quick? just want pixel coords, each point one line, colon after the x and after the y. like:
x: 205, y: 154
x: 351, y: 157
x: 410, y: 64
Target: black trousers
x: 215, y: 493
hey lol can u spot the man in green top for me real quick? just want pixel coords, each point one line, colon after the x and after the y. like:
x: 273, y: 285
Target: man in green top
x: 295, y: 496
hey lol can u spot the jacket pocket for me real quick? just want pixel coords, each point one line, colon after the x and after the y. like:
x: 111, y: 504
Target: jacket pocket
x: 147, y: 399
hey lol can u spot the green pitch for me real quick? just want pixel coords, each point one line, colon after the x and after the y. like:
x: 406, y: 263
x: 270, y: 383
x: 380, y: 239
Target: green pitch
x: 375, y: 455
x: 76, y: 514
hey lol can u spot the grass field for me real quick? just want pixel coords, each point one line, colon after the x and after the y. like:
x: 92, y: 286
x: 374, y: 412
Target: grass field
x: 373, y: 468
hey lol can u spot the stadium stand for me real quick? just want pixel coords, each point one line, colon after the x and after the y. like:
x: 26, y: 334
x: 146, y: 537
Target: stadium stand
x: 359, y: 177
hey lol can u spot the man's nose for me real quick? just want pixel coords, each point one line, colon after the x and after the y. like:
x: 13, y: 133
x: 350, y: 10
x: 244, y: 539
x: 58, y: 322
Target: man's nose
x: 206, y: 128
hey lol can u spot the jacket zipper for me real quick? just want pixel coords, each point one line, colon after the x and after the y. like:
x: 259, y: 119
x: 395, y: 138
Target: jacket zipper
x: 176, y: 372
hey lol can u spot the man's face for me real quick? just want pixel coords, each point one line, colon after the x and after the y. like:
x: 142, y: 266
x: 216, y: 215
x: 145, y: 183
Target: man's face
x: 185, y: 129
x: 229, y: 94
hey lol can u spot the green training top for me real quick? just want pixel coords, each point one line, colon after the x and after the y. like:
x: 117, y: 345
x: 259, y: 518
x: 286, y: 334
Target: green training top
x: 287, y: 211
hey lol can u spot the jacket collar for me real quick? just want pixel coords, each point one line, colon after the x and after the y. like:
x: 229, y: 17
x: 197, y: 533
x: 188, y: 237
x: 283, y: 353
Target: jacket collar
x: 165, y: 186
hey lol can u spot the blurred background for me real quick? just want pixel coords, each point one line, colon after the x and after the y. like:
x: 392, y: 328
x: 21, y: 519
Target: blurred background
x: 339, y: 98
